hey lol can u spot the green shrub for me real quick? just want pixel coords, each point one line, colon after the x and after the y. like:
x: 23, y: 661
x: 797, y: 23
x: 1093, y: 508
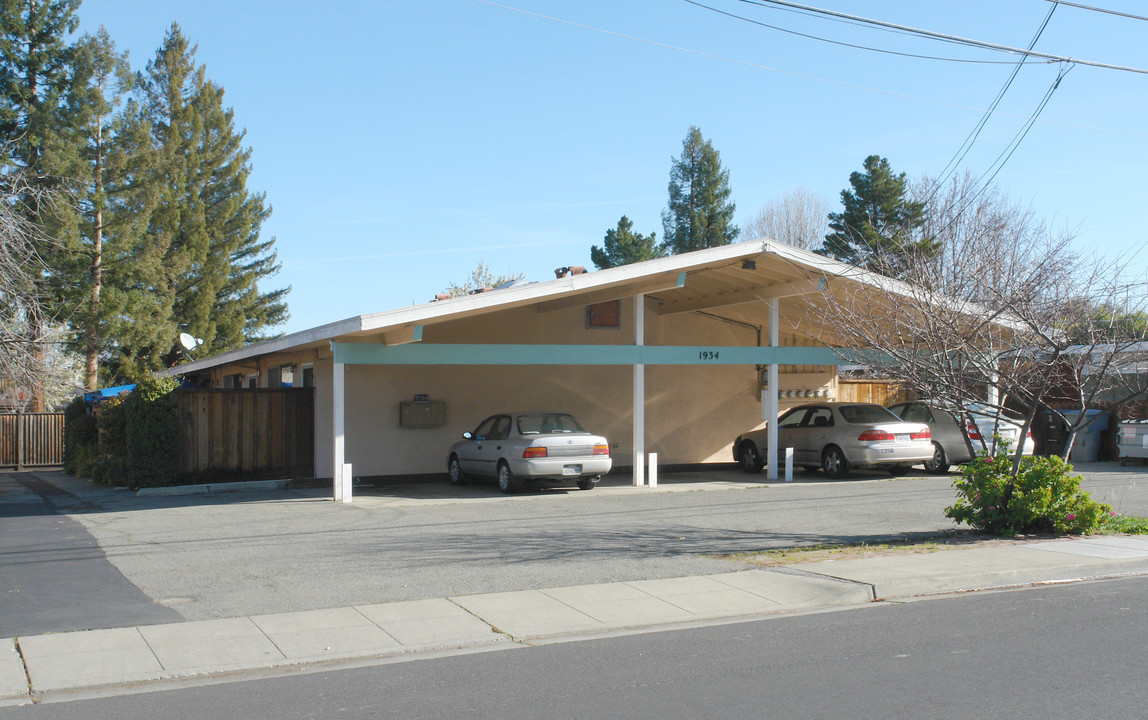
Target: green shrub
x: 151, y: 432
x: 1044, y: 498
x: 80, y: 436
x: 106, y: 467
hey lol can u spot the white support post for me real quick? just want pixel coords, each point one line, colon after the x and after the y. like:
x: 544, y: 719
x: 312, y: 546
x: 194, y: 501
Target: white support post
x: 769, y: 404
x: 788, y: 464
x: 348, y: 476
x: 653, y: 477
x: 639, y: 392
x: 338, y: 411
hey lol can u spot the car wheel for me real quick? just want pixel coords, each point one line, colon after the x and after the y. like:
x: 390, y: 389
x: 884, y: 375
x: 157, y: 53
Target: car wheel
x: 899, y: 470
x: 455, y: 470
x: 586, y: 484
x: 939, y: 465
x: 749, y: 458
x: 507, y: 483
x: 833, y: 462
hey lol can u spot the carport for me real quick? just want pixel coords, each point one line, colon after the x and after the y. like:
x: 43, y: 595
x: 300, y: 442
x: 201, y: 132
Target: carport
x: 696, y: 320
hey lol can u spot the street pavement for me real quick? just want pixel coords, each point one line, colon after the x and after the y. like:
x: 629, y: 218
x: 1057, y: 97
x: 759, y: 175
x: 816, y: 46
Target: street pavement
x: 67, y: 665
x: 64, y: 665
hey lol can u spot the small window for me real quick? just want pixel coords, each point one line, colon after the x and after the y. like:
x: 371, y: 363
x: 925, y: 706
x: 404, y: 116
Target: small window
x: 308, y: 373
x: 253, y: 380
x: 604, y: 314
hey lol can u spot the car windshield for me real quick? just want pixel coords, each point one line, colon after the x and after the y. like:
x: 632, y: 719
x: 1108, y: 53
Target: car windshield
x: 548, y: 424
x: 862, y: 414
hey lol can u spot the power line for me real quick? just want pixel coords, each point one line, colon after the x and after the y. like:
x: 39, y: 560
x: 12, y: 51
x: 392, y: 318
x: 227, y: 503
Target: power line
x: 790, y: 73
x: 967, y: 145
x: 947, y: 38
x: 1011, y: 148
x: 845, y: 44
x: 1099, y: 10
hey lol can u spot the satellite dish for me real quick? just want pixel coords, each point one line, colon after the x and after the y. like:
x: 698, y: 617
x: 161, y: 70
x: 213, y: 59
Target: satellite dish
x: 188, y: 341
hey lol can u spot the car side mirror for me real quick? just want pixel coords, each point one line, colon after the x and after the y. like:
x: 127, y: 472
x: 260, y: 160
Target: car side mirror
x: 467, y: 436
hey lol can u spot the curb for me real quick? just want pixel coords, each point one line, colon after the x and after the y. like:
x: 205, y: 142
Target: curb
x: 212, y: 488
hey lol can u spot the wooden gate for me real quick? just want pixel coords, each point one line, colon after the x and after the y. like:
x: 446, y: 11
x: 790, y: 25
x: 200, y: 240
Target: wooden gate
x: 882, y: 392
x: 31, y: 440
x: 250, y: 431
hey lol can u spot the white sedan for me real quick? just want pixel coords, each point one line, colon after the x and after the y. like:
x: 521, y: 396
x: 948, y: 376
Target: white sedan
x: 837, y: 436
x: 538, y: 446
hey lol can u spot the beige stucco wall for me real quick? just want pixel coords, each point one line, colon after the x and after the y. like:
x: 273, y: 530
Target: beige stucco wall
x: 693, y: 413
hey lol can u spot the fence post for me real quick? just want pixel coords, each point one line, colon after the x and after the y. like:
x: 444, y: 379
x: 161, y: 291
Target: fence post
x: 19, y: 441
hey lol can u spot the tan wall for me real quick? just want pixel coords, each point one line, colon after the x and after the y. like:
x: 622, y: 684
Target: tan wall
x: 693, y: 413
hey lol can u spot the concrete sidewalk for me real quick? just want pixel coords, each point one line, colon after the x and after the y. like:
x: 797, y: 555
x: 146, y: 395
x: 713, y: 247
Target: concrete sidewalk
x: 60, y: 665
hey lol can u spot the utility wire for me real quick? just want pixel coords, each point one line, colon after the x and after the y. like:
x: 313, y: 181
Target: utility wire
x: 1011, y: 148
x: 845, y: 44
x: 790, y: 73
x: 967, y: 145
x: 948, y: 38
x: 1099, y: 10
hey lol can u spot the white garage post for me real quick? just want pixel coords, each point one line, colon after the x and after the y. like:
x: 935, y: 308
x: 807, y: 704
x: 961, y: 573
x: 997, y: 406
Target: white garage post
x: 338, y: 395
x: 769, y: 400
x: 639, y: 393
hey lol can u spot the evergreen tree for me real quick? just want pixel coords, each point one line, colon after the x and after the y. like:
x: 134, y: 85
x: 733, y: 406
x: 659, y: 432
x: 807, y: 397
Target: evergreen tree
x: 92, y: 157
x: 880, y: 225
x: 700, y: 213
x: 623, y: 246
x: 204, y: 230
x: 35, y: 60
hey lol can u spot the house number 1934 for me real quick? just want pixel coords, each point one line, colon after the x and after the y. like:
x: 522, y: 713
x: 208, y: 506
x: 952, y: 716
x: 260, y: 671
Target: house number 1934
x: 708, y: 355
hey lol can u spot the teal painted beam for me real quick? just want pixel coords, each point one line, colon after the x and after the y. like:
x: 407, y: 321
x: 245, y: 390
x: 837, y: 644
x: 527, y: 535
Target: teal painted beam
x: 424, y: 354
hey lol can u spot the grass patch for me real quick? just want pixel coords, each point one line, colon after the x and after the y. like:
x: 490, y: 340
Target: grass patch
x: 1124, y: 525
x: 836, y: 551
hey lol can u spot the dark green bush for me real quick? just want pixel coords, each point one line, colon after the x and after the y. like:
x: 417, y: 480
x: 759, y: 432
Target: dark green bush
x: 107, y: 465
x: 80, y: 436
x: 1044, y: 498
x: 151, y: 432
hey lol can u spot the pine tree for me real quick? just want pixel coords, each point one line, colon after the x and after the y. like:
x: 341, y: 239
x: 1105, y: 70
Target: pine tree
x: 700, y: 213
x: 100, y: 220
x: 35, y: 60
x: 880, y: 225
x: 623, y: 246
x: 206, y: 223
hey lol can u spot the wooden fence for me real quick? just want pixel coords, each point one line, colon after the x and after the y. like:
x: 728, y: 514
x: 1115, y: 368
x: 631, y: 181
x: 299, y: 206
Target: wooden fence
x: 31, y: 440
x: 882, y: 392
x: 255, y: 431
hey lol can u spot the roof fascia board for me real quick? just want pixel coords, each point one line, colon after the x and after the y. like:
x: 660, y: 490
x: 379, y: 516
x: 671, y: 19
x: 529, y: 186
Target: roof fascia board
x: 267, y: 347
x: 485, y: 354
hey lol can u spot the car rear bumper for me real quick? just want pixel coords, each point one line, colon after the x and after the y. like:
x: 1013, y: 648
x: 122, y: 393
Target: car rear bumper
x: 883, y: 453
x: 558, y: 468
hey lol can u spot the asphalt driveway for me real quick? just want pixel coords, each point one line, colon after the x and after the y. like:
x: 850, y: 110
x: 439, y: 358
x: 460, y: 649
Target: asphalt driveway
x: 211, y: 556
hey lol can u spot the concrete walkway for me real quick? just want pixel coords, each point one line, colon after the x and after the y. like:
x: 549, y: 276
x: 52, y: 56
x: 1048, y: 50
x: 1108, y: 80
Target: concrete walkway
x: 59, y: 666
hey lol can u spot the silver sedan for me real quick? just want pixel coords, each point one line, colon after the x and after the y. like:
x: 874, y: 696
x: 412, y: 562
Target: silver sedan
x: 539, y: 446
x: 838, y: 436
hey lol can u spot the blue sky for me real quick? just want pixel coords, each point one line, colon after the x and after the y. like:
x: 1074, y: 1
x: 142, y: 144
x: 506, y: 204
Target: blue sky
x: 402, y: 143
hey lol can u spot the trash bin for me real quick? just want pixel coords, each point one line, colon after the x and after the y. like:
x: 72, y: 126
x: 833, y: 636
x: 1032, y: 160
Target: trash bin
x: 1133, y: 440
x: 1086, y: 447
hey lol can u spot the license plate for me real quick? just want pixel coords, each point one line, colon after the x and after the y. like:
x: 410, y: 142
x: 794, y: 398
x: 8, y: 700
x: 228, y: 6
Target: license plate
x: 571, y: 469
x: 902, y: 437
